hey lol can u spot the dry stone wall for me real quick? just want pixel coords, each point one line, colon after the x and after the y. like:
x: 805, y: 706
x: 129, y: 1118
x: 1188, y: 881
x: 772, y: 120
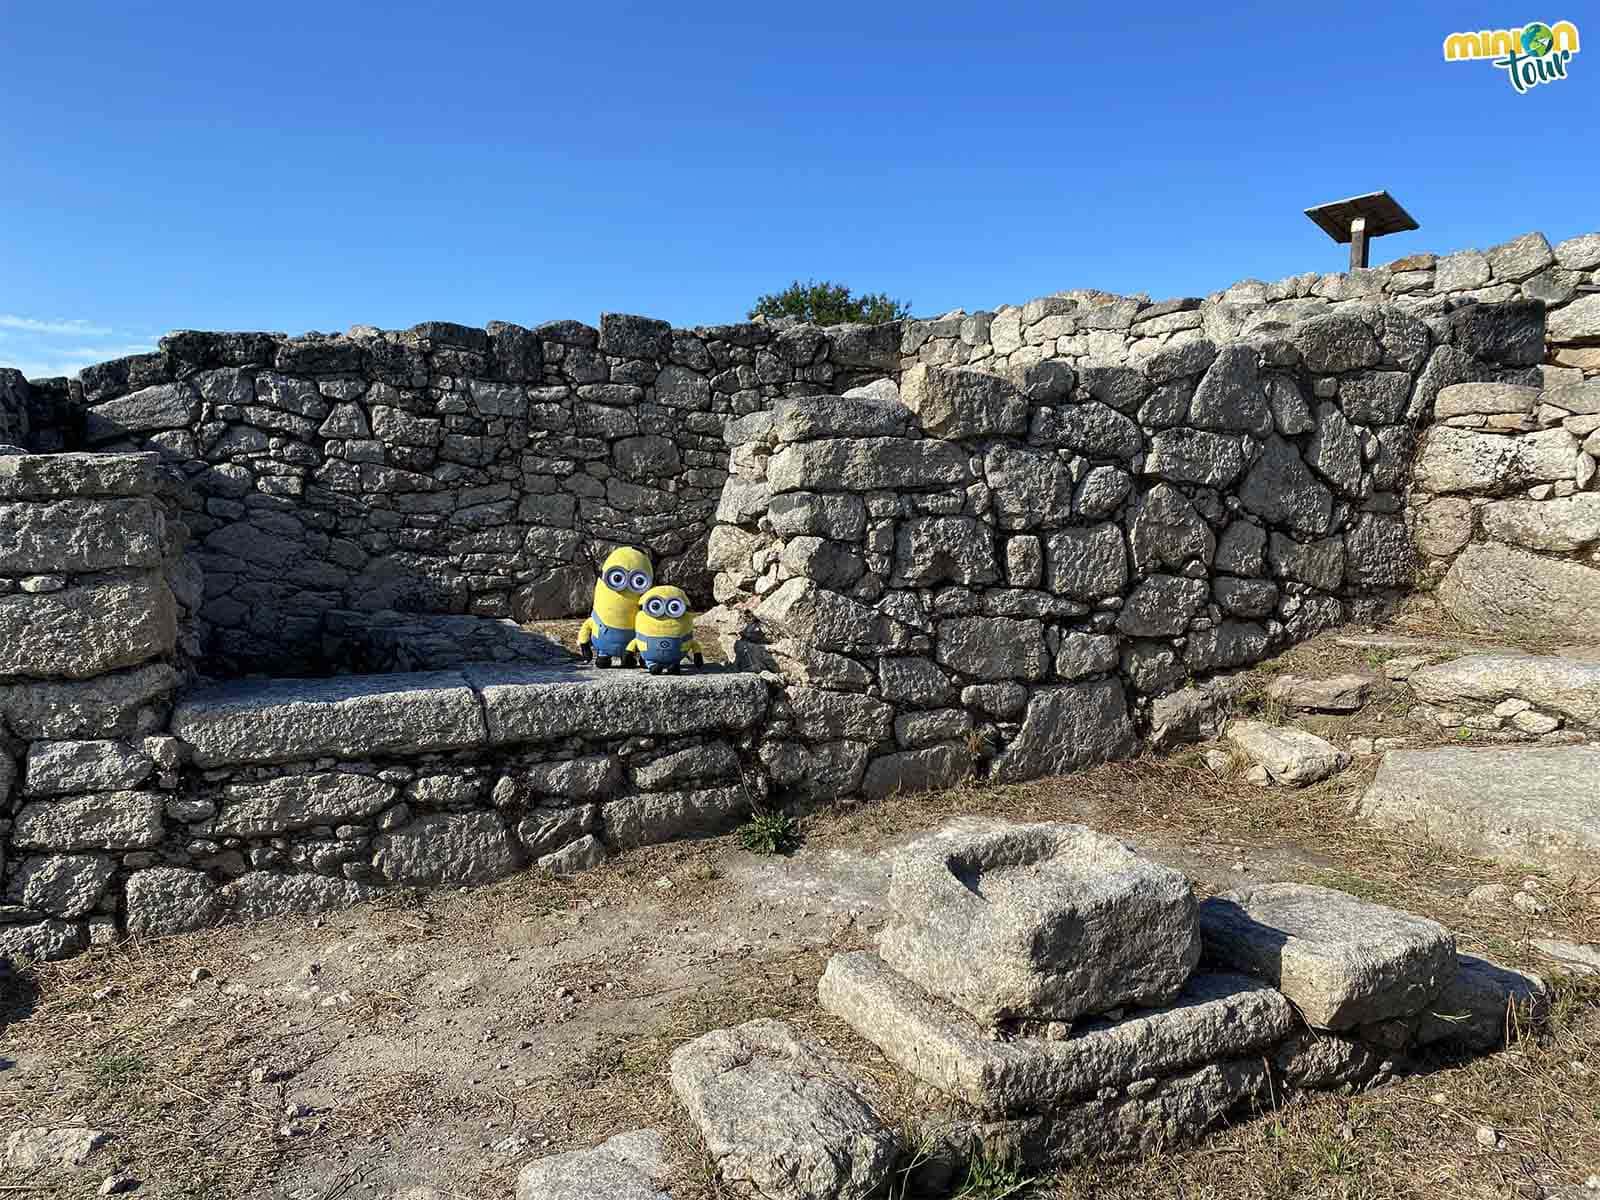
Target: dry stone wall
x: 927, y: 572
x: 1506, y: 511
x: 131, y: 805
x: 88, y: 666
x: 443, y: 469
x: 977, y: 574
x: 1088, y: 325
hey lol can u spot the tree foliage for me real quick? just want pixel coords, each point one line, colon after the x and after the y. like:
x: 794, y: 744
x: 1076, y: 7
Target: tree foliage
x: 828, y: 303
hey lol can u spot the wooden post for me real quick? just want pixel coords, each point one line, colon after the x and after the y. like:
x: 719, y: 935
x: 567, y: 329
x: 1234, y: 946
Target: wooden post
x: 1358, y: 243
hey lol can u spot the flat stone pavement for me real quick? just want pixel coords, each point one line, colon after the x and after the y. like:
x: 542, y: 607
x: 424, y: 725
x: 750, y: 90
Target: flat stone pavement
x: 1538, y: 805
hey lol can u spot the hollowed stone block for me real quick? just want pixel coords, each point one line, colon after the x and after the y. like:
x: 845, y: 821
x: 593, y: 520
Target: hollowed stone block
x: 1047, y: 921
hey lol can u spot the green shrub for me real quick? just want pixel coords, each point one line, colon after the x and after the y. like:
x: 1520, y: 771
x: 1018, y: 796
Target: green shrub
x: 770, y: 833
x: 828, y: 303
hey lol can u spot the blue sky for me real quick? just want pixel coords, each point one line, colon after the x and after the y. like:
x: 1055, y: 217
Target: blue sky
x: 317, y: 166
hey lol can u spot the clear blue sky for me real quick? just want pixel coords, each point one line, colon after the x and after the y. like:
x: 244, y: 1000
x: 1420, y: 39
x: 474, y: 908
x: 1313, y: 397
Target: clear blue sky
x: 294, y: 167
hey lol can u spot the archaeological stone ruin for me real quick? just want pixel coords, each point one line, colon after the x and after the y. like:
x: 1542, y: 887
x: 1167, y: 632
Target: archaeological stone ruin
x: 262, y: 652
x: 1057, y: 995
x: 259, y: 648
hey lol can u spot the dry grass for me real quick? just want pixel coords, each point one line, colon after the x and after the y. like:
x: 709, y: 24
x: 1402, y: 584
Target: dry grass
x: 134, y: 1047
x: 1421, y: 616
x: 1401, y: 1141
x: 1414, y: 1138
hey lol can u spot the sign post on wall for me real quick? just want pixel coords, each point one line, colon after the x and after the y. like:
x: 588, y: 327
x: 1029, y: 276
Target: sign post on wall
x: 1360, y: 219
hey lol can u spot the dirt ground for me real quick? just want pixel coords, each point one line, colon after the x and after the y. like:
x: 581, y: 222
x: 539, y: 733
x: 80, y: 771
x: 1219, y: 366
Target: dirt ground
x: 427, y: 1046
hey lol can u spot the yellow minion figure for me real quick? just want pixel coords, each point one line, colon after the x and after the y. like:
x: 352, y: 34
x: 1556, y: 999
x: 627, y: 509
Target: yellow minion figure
x: 625, y: 576
x: 664, y: 631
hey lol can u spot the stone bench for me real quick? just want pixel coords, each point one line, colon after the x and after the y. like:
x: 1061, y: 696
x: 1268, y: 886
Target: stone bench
x: 288, y: 720
x: 281, y: 796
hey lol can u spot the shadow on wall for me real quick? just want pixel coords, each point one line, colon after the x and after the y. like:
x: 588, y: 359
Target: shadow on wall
x: 443, y: 469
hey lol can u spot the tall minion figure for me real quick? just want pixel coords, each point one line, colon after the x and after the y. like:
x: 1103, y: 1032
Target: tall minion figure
x: 664, y: 631
x: 625, y: 576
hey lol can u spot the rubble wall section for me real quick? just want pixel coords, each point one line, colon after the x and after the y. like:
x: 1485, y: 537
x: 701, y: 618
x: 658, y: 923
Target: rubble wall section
x: 987, y: 576
x: 443, y: 469
x: 1090, y: 325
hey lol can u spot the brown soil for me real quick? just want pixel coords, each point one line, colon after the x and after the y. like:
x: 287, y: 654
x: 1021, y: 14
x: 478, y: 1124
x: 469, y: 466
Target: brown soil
x: 435, y: 1042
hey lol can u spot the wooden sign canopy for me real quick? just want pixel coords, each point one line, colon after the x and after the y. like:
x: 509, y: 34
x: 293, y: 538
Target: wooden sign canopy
x: 1359, y: 219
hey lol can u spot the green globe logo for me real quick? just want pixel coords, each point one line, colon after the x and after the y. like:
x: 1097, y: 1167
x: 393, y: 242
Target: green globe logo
x: 1537, y: 39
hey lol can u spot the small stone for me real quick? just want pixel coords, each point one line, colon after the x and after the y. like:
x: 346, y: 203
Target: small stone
x: 1290, y: 756
x: 41, y: 1146
x: 1526, y: 902
x: 1574, y: 957
x: 199, y: 973
x: 1488, y: 1138
x: 1338, y: 693
x: 1534, y: 723
x: 1489, y: 895
x: 114, y: 1185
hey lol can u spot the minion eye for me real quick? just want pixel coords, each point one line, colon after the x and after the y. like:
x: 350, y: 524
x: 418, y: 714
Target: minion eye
x: 675, y: 608
x: 617, y: 580
x: 640, y: 582
x: 654, y: 607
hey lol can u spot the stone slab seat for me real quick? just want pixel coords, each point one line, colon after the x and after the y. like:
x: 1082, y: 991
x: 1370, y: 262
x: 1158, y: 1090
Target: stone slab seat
x: 287, y: 720
x: 781, y: 1117
x: 54, y: 476
x: 352, y: 716
x: 1517, y: 804
x: 528, y: 704
x: 1218, y: 1016
x: 1343, y: 961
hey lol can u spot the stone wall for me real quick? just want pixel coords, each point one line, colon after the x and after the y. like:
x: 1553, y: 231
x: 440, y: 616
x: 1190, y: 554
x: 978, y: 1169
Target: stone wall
x: 1506, y: 508
x: 88, y: 665
x: 36, y: 416
x: 986, y: 575
x: 127, y: 805
x: 14, y: 393
x: 443, y: 469
x: 1083, y: 325
x: 454, y: 470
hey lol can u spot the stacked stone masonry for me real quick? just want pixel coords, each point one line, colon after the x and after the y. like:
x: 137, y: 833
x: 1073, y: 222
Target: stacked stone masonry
x: 131, y: 804
x: 1050, y: 995
x: 1505, y: 508
x: 927, y: 573
x: 984, y: 575
x: 443, y: 469
x: 1089, y: 325
x: 1181, y: 1016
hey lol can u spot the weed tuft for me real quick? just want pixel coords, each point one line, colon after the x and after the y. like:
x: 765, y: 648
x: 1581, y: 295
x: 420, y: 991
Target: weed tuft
x: 770, y: 833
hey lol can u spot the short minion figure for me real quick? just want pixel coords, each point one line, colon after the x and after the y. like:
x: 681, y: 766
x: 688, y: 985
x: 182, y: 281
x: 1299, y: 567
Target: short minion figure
x: 664, y: 632
x: 625, y: 576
